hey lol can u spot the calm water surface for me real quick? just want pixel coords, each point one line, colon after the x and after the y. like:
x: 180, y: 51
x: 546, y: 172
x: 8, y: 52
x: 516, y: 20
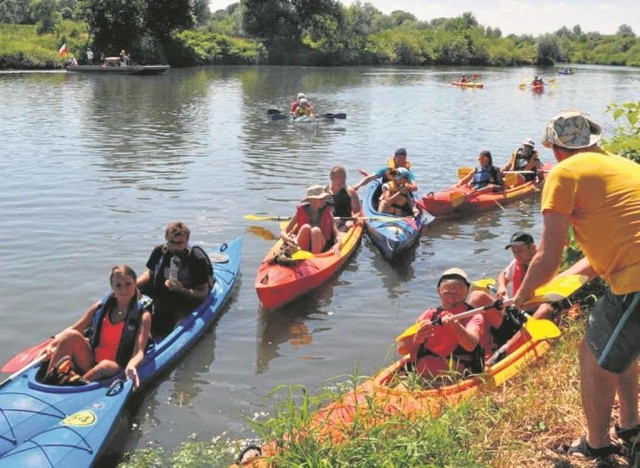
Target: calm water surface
x: 93, y: 168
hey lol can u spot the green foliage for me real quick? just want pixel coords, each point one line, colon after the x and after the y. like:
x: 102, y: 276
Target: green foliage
x: 14, y: 11
x: 45, y: 13
x: 204, y: 47
x: 626, y: 139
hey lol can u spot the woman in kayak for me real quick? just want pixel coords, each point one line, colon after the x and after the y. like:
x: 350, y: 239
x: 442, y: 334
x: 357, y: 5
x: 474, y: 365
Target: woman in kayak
x: 119, y: 326
x: 396, y: 195
x: 451, y: 344
x: 312, y: 227
x: 485, y: 177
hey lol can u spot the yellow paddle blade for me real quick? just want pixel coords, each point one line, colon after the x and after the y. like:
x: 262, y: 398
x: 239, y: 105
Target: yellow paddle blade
x: 541, y: 329
x: 464, y: 172
x: 522, y: 85
x: 412, y: 330
x: 283, y: 224
x: 552, y: 80
x: 558, y: 289
x: 510, y: 179
x: 456, y: 198
x: 301, y: 255
x: 483, y: 283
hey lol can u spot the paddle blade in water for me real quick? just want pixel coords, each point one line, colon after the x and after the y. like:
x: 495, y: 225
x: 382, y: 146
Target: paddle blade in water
x: 278, y: 117
x: 273, y: 111
x: 541, y: 329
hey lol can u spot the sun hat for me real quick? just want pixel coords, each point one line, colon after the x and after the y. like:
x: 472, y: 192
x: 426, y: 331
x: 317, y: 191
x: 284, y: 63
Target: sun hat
x: 316, y: 192
x: 301, y: 95
x: 529, y: 142
x: 456, y: 273
x: 571, y: 130
x: 401, y: 173
x: 303, y: 101
x: 520, y: 238
x: 400, y: 152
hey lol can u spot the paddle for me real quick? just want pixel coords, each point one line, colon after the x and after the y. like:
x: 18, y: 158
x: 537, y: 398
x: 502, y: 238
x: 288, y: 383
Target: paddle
x: 273, y: 111
x: 33, y: 362
x: 339, y: 115
x: 279, y: 117
x: 27, y: 356
x: 252, y: 217
x: 554, y: 291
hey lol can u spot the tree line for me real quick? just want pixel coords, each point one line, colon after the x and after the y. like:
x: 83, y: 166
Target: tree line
x: 310, y: 32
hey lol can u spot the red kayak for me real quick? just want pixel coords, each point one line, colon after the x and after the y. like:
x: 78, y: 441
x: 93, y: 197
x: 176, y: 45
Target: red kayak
x: 466, y: 200
x: 278, y: 284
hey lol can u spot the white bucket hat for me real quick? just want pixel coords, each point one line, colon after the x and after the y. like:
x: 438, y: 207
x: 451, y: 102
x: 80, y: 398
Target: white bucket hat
x: 571, y: 130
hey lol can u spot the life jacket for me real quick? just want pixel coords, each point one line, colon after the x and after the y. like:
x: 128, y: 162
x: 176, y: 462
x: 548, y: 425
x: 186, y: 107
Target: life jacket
x: 391, y: 165
x: 129, y: 331
x: 326, y: 220
x: 393, y: 188
x: 519, y: 271
x: 483, y: 176
x: 183, y: 270
x: 342, y: 203
x: 472, y: 360
x: 519, y: 162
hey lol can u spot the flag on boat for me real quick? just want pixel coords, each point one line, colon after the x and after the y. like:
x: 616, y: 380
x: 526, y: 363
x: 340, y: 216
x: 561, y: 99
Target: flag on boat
x: 63, y: 50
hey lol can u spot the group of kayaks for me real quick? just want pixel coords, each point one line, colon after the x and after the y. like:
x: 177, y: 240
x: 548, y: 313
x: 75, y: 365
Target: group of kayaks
x: 46, y: 425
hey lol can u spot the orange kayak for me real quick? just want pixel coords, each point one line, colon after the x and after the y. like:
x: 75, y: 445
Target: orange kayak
x: 387, y: 395
x: 468, y: 84
x: 278, y: 284
x: 466, y: 200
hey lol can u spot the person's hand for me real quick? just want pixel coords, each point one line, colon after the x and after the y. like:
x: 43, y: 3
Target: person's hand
x: 131, y: 373
x: 337, y: 246
x: 447, y: 318
x: 425, y: 332
x: 173, y: 285
x: 501, y: 293
x: 521, y: 298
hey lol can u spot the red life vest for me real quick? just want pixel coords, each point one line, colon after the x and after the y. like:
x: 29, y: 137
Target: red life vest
x: 326, y: 220
x: 519, y: 271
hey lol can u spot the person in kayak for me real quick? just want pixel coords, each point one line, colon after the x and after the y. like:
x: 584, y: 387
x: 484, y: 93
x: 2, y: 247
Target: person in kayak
x: 396, y: 197
x: 312, y: 227
x: 485, y: 177
x: 525, y: 158
x: 463, y: 78
x: 537, y: 82
x: 295, y: 104
x: 178, y: 278
x: 398, y: 160
x: 598, y: 193
x: 452, y: 344
x: 119, y: 327
x: 344, y: 198
x: 304, y: 109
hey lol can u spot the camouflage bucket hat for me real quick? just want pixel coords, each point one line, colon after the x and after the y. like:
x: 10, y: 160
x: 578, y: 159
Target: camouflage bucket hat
x: 571, y: 130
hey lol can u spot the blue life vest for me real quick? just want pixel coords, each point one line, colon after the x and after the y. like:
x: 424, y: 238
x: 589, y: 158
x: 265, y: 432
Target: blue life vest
x: 129, y: 331
x: 482, y: 177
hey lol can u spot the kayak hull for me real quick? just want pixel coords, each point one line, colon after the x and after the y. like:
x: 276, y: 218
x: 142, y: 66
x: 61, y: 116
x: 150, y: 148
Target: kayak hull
x: 386, y: 396
x: 447, y: 202
x: 46, y: 425
x: 277, y: 285
x: 391, y: 234
x: 468, y: 84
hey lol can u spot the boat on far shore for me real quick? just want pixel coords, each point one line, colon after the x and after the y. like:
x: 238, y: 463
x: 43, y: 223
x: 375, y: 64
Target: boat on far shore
x: 120, y: 70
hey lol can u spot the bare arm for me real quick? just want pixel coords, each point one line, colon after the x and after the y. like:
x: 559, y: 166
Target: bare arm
x: 466, y: 179
x: 548, y: 257
x: 131, y: 371
x: 468, y: 336
x: 145, y: 278
x: 355, y: 201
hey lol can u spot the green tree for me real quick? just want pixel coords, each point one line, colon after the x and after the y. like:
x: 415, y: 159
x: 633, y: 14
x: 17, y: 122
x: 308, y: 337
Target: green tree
x: 14, y: 11
x: 46, y: 14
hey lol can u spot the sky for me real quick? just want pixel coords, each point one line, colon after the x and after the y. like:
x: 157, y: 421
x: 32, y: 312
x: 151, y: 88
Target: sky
x: 518, y: 16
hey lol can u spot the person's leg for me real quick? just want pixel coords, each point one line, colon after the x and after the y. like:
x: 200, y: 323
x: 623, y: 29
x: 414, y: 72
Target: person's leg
x: 304, y: 237
x: 627, y: 388
x: 76, y: 346
x: 317, y: 240
x: 597, y: 390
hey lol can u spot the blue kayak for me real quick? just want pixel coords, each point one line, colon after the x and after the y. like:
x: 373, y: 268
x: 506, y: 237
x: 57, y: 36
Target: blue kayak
x: 392, y: 234
x: 47, y: 426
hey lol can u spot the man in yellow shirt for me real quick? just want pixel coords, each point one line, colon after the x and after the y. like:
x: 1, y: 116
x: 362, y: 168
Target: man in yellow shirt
x: 599, y: 194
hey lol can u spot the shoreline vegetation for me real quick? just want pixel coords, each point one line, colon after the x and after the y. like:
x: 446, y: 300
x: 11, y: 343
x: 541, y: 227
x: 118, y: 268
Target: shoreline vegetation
x: 323, y: 33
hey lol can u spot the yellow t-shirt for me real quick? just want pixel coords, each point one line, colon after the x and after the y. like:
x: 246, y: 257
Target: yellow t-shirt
x: 600, y: 192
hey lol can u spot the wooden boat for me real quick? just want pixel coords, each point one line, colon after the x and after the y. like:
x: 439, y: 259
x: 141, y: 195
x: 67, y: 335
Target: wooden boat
x: 46, y: 425
x: 468, y: 84
x: 390, y: 233
x: 390, y: 394
x: 277, y: 284
x: 118, y: 70
x: 466, y: 200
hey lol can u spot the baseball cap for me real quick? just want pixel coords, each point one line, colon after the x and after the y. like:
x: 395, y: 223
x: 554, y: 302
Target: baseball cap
x: 529, y: 142
x: 454, y: 273
x: 400, y: 152
x: 520, y: 238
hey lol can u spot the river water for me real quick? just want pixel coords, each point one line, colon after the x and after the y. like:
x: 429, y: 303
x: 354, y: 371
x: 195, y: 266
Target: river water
x: 93, y: 168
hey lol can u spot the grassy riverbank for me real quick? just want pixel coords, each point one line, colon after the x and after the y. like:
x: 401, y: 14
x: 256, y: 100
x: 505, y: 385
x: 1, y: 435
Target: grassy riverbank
x: 520, y: 423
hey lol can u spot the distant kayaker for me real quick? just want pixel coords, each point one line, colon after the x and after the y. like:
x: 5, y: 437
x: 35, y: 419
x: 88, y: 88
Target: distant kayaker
x: 120, y: 327
x: 484, y: 177
x: 537, y: 81
x: 312, y: 227
x: 178, y: 278
x: 525, y: 158
x: 396, y: 197
x: 304, y: 109
x: 599, y: 194
x: 345, y: 200
x: 399, y: 159
x: 464, y: 79
x: 452, y: 345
